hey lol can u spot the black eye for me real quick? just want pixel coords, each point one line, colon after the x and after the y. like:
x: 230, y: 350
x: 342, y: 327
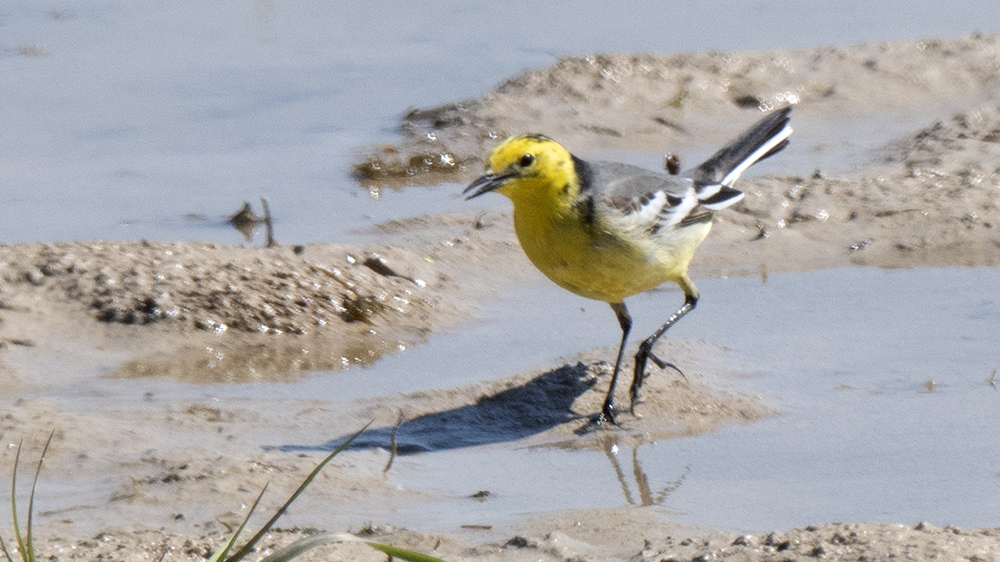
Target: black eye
x: 527, y: 160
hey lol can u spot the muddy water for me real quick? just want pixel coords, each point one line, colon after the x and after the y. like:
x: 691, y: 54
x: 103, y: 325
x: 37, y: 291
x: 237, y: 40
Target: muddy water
x: 186, y: 111
x: 888, y: 410
x: 881, y: 379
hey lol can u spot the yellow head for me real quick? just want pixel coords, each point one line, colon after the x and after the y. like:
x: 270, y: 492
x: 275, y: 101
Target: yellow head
x: 531, y: 170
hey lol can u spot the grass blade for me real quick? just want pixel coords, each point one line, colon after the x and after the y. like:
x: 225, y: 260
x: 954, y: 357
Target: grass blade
x: 219, y: 554
x: 13, y: 504
x: 281, y: 511
x: 31, y: 499
x: 402, y: 553
x: 302, y: 545
x: 5, y: 551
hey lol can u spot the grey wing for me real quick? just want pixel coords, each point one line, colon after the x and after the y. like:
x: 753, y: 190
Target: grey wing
x: 652, y: 201
x: 647, y: 199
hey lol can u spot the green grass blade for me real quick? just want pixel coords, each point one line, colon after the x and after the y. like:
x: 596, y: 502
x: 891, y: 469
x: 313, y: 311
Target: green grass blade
x: 13, y: 504
x: 298, y: 547
x: 31, y: 499
x: 5, y: 551
x: 281, y: 511
x: 302, y: 545
x: 402, y: 553
x: 218, y: 554
x: 224, y: 550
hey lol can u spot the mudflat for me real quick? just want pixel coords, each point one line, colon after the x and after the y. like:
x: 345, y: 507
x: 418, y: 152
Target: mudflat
x: 157, y: 475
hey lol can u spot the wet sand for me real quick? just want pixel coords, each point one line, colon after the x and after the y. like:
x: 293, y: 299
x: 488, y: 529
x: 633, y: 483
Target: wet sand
x: 207, y: 313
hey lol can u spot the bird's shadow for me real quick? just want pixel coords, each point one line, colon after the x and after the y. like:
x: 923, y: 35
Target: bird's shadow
x: 515, y: 413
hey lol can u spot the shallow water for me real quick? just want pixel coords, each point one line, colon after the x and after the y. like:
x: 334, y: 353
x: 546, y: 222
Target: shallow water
x: 189, y: 109
x: 129, y: 121
x: 846, y: 356
x: 880, y: 378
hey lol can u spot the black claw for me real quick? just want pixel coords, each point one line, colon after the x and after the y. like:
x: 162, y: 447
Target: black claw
x: 640, y: 374
x: 631, y: 406
x: 664, y: 364
x: 634, y: 392
x: 638, y: 377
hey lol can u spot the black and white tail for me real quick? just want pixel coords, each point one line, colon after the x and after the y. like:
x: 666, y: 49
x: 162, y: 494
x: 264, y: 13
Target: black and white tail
x: 713, y: 178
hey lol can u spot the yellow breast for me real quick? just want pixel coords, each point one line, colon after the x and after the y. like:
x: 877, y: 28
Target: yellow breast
x: 587, y: 259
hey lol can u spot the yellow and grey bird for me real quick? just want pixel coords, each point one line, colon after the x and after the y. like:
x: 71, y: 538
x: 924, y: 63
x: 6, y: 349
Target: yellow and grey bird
x: 607, y: 231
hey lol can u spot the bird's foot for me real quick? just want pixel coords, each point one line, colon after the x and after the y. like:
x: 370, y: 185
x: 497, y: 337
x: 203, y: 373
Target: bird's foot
x: 607, y: 414
x: 664, y: 364
x: 605, y: 420
x: 632, y: 404
x: 640, y: 374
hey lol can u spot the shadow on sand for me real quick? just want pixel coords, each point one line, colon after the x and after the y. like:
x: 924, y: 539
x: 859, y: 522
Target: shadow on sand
x: 515, y: 413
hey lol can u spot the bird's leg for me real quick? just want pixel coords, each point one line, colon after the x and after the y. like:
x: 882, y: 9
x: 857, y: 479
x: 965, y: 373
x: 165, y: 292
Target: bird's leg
x: 625, y: 321
x: 645, y: 352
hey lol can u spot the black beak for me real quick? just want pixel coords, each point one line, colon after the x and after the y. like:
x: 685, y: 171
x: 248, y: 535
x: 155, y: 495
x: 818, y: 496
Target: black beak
x: 485, y: 183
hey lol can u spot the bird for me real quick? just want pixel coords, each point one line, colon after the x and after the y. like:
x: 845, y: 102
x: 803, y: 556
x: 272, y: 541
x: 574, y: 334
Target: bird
x: 607, y: 230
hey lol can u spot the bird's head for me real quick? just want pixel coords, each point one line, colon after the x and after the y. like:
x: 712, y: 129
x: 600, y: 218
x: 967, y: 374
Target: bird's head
x: 528, y: 167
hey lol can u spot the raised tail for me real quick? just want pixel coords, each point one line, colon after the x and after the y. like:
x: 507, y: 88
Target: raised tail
x: 714, y: 177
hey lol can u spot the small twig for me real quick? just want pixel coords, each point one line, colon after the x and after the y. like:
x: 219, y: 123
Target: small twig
x: 392, y: 444
x: 672, y: 164
x: 4, y: 342
x: 268, y: 227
